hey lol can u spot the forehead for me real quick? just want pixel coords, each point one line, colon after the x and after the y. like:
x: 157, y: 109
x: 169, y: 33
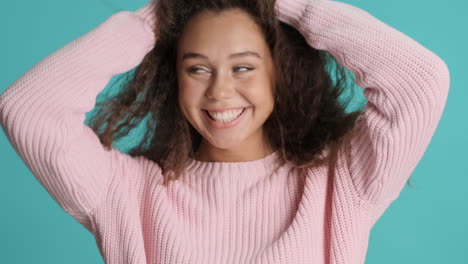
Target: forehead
x: 221, y: 34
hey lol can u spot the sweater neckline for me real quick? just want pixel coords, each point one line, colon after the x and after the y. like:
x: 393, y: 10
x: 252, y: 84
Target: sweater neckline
x: 232, y: 171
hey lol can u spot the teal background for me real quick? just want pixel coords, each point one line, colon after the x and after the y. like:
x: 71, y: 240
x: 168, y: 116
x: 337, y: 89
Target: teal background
x: 426, y: 224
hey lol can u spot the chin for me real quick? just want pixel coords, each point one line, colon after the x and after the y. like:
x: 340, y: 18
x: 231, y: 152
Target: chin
x: 225, y: 144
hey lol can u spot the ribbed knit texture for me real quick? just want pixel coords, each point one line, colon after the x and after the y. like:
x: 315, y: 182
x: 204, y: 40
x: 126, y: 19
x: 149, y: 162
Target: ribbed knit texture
x: 238, y: 212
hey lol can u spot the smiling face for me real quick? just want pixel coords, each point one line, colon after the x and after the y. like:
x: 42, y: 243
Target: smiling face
x: 223, y: 62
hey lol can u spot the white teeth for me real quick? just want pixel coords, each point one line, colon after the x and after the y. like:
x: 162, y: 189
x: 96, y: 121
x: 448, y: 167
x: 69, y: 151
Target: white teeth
x: 226, y: 116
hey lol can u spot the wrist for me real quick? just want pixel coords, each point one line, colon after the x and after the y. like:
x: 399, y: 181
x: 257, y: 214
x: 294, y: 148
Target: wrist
x: 290, y: 11
x: 147, y: 13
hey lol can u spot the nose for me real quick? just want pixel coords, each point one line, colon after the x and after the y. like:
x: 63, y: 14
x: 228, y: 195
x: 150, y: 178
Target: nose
x: 222, y: 87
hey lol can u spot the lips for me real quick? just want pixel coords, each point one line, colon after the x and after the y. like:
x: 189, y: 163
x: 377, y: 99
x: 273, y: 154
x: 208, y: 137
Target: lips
x: 219, y: 125
x: 240, y: 113
x: 221, y: 110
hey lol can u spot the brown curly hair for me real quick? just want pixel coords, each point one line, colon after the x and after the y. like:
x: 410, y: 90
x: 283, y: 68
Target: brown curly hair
x: 308, y: 115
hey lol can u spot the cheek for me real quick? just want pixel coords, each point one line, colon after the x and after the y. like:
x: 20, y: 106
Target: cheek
x: 259, y: 92
x: 189, y: 93
x: 189, y: 100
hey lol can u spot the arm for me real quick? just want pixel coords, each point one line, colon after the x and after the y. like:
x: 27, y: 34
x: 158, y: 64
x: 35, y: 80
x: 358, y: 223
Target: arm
x: 42, y: 113
x: 406, y: 86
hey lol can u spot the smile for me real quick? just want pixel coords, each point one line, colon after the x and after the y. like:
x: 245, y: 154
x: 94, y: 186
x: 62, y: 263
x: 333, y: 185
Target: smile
x: 225, y: 121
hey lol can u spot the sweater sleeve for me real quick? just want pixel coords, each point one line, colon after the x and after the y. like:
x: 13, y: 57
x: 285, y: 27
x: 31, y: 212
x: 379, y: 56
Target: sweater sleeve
x: 405, y: 84
x: 43, y: 112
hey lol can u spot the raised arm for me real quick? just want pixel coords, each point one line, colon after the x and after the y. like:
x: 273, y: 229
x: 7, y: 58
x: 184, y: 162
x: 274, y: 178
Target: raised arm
x: 43, y: 112
x: 406, y: 86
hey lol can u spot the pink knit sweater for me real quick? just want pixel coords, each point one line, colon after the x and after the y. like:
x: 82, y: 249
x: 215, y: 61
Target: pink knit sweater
x: 237, y: 212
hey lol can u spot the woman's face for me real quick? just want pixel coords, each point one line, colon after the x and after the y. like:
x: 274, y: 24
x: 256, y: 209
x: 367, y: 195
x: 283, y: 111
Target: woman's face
x: 223, y: 63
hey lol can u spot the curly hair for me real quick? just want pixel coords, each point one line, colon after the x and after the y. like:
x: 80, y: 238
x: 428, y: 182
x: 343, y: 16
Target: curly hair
x: 308, y: 115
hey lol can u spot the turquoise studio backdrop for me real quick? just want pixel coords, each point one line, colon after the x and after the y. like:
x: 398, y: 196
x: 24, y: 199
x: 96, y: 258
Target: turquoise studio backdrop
x: 427, y: 224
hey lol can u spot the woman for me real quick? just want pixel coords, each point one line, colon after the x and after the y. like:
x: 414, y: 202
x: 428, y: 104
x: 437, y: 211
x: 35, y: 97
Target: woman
x: 253, y: 159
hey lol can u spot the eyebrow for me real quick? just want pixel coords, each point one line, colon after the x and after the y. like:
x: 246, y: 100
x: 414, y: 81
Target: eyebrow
x: 234, y: 55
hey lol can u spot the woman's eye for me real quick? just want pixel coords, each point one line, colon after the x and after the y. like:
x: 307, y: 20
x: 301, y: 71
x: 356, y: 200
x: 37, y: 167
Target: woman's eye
x: 196, y: 69
x: 248, y: 68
